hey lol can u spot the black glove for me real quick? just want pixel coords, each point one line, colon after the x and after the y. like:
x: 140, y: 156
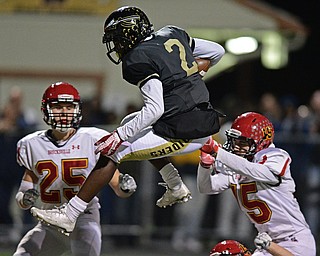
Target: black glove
x: 30, y: 197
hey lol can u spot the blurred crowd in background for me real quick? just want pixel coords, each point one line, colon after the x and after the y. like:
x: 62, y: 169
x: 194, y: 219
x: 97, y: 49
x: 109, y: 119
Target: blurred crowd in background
x: 188, y: 226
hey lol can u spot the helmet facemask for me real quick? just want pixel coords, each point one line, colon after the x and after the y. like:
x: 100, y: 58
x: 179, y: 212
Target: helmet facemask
x: 66, y: 95
x: 239, y: 145
x: 117, y: 44
x: 63, y: 121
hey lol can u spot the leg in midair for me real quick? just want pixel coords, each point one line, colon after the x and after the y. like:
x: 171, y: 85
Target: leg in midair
x: 176, y: 190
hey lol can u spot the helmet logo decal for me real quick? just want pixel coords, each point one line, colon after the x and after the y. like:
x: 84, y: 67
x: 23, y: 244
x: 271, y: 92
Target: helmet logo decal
x: 65, y: 97
x: 267, y: 133
x: 243, y: 248
x: 130, y: 21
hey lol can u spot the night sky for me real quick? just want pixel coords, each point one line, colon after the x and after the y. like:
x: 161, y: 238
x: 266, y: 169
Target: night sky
x: 300, y: 78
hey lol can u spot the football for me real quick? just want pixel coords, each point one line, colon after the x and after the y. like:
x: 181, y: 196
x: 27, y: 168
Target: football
x: 203, y: 66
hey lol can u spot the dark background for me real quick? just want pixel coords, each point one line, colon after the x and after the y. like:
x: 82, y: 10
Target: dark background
x: 299, y: 78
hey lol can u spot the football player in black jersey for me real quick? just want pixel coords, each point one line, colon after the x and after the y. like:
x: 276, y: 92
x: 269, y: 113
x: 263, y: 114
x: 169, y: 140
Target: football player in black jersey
x: 162, y: 64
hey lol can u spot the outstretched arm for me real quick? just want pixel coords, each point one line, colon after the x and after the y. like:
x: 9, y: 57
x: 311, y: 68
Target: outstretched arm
x: 152, y: 110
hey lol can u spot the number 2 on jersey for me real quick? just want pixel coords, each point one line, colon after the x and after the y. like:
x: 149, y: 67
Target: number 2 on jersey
x: 182, y: 54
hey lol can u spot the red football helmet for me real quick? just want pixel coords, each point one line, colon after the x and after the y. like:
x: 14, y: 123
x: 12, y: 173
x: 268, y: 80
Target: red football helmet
x: 229, y: 247
x: 251, y: 128
x: 61, y: 92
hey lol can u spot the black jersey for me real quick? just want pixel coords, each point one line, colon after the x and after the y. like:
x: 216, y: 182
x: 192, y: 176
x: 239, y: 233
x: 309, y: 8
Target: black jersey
x: 168, y: 56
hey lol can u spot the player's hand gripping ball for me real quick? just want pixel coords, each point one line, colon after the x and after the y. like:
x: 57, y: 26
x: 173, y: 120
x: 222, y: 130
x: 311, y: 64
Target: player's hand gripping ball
x: 203, y: 66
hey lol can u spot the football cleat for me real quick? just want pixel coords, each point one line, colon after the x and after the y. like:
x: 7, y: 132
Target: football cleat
x: 56, y: 218
x: 173, y: 196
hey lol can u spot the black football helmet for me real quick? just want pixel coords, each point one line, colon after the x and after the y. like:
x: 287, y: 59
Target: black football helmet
x: 123, y: 30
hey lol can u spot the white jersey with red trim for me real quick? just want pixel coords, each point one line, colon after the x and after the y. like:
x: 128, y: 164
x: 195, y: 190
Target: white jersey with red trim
x: 60, y: 167
x: 264, y: 189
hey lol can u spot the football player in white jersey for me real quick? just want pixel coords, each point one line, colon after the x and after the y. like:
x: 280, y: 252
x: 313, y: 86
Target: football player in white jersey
x: 57, y: 162
x: 259, y: 176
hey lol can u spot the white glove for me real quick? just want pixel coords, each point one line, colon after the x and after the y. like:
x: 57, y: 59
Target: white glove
x: 30, y: 197
x: 262, y: 241
x: 127, y: 183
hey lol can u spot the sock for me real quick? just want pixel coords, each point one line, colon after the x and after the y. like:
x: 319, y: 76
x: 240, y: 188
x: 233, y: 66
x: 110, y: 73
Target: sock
x: 171, y: 176
x: 75, y: 207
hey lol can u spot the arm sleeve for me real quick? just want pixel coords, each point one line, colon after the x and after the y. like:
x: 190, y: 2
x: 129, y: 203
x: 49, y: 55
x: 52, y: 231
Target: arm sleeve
x: 152, y: 110
x: 208, y: 50
x: 211, y: 184
x: 257, y: 171
x: 22, y: 156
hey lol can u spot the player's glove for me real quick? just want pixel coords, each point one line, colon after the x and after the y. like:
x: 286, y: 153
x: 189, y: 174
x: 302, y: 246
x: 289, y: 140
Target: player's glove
x: 127, y: 183
x: 211, y: 147
x: 206, y: 160
x: 30, y: 197
x: 262, y: 241
x: 108, y: 144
